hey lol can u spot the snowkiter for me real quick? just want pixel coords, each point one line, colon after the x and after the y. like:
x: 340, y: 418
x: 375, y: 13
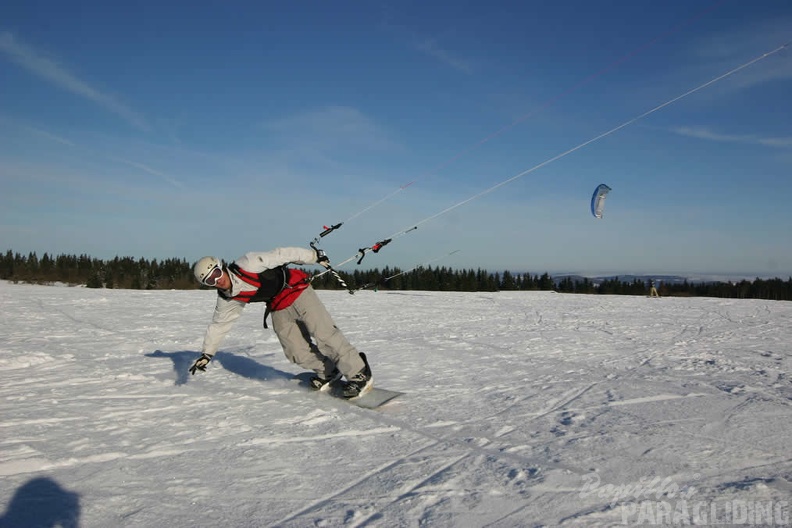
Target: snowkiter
x: 653, y: 290
x: 297, y: 314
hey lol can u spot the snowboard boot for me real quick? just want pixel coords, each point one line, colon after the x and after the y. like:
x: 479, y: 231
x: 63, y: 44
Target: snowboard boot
x: 361, y: 382
x: 323, y: 384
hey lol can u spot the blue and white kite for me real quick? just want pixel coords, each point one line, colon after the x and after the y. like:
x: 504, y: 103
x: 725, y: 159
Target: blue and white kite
x: 598, y: 200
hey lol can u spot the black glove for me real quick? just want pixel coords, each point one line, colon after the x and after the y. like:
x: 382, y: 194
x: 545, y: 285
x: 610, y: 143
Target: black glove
x: 200, y: 363
x: 321, y: 258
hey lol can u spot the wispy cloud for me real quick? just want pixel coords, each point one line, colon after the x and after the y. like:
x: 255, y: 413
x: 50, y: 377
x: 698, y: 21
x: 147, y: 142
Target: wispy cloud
x: 709, y: 135
x: 333, y: 127
x: 49, y: 136
x: 100, y: 154
x: 149, y: 170
x: 737, y: 45
x: 430, y: 47
x: 46, y: 68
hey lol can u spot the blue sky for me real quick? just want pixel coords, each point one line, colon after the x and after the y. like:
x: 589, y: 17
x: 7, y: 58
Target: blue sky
x: 179, y: 129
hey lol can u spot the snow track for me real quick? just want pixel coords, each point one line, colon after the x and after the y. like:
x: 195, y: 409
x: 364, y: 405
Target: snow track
x: 513, y: 401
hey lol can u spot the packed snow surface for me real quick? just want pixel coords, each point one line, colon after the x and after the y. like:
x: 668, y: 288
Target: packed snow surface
x: 521, y: 409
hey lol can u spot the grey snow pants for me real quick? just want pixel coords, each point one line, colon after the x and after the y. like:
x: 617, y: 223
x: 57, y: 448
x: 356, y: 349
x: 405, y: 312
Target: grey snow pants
x: 307, y: 317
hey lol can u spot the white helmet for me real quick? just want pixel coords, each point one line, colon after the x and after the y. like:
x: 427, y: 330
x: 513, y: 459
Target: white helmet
x: 205, y: 266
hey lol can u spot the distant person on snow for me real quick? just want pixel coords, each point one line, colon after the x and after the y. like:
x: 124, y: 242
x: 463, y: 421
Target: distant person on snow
x: 297, y: 314
x: 653, y: 290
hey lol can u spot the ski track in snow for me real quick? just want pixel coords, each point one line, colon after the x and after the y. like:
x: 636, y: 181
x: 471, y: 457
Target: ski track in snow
x: 513, y: 400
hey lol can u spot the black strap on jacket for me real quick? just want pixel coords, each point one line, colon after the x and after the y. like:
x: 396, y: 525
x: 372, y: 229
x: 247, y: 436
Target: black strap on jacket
x: 268, y: 284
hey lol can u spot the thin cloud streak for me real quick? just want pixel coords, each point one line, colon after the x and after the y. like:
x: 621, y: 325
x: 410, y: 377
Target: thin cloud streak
x: 709, y: 135
x: 49, y: 136
x: 429, y: 47
x: 47, y: 69
x: 731, y: 46
x: 140, y: 166
x: 149, y: 170
x: 332, y: 127
x: 426, y: 45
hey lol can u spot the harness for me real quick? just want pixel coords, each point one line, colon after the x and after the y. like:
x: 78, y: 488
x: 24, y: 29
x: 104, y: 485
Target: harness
x: 278, y: 287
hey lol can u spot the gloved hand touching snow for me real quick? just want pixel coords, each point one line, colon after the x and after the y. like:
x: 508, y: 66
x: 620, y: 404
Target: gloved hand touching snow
x: 200, y: 363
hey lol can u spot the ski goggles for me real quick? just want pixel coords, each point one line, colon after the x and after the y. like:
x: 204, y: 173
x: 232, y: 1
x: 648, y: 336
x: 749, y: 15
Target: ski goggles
x: 213, y: 276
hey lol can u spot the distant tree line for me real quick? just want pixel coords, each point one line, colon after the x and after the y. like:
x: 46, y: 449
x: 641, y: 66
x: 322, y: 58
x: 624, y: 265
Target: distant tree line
x: 174, y: 273
x: 120, y: 272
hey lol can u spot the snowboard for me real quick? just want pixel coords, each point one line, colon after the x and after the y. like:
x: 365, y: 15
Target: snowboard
x: 373, y: 399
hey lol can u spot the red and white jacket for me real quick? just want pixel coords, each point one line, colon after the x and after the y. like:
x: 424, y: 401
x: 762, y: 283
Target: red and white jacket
x: 258, y: 277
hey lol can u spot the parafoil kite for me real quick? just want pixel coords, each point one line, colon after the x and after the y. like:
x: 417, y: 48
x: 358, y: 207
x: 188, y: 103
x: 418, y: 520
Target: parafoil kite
x: 598, y: 199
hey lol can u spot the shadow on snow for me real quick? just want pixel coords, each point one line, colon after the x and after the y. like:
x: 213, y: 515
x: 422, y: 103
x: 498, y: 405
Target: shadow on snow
x: 239, y: 365
x: 42, y: 503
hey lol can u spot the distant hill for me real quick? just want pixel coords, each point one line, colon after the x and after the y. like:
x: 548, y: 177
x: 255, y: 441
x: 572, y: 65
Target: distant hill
x: 659, y: 279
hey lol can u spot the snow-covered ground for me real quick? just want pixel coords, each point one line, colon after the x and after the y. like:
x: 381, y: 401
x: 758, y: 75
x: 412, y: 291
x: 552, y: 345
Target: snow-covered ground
x: 521, y: 409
